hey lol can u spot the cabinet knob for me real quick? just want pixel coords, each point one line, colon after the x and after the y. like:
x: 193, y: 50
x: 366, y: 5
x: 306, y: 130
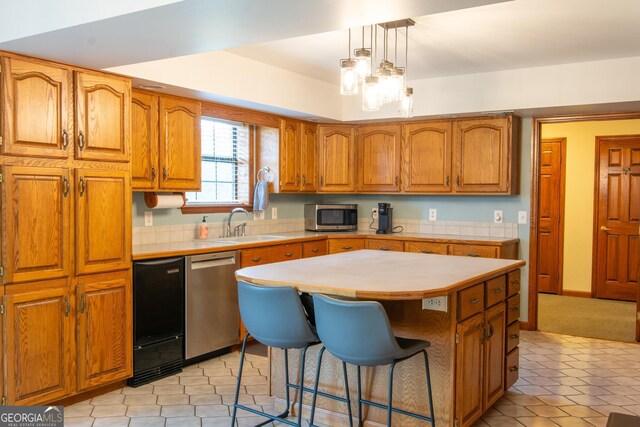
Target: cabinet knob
x: 165, y: 174
x: 153, y: 173
x: 498, y: 290
x: 513, y: 369
x: 81, y: 141
x: 67, y: 186
x: 65, y: 139
x: 256, y: 259
x: 474, y: 301
x: 83, y: 186
x: 289, y: 254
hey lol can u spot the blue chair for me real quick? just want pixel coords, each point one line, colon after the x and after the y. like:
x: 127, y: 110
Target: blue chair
x: 359, y: 333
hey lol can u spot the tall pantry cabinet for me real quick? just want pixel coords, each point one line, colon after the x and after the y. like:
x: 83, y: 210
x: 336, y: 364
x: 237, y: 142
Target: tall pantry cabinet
x: 66, y: 230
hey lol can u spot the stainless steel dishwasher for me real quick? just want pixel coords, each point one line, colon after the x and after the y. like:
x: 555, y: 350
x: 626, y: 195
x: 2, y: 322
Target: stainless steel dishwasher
x: 212, y: 314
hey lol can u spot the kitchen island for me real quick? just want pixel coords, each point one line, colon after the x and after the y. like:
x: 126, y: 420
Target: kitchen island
x: 463, y: 305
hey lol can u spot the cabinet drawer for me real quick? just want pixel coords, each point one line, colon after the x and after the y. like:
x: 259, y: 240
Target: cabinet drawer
x: 496, y: 290
x: 426, y: 247
x: 511, y: 367
x: 385, y: 245
x: 513, y: 309
x: 513, y: 336
x: 317, y: 248
x: 470, y: 301
x: 345, y: 245
x: 474, y: 251
x: 269, y: 254
x: 513, y: 280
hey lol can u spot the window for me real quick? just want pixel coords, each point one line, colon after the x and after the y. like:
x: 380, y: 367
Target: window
x: 225, y: 165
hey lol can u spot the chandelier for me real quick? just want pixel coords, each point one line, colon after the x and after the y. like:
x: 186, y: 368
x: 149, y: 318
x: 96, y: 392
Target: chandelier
x: 383, y: 84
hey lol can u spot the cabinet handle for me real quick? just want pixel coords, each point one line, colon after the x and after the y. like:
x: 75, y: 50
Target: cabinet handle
x: 81, y: 141
x: 65, y: 139
x: 346, y: 247
x: 484, y: 332
x: 67, y: 307
x: 516, y: 282
x: 297, y: 179
x: 498, y: 290
x: 396, y: 179
x: 514, y: 309
x: 165, y: 174
x: 256, y: 259
x: 315, y: 250
x: 447, y: 181
x: 514, y: 337
x: 321, y: 181
x: 304, y: 180
x: 458, y: 181
x: 153, y: 173
x: 513, y: 369
x: 83, y: 303
x: 67, y: 186
x: 491, y: 331
x: 473, y: 255
x: 426, y: 251
x: 474, y: 301
x: 384, y: 248
x: 289, y: 254
x: 82, y: 186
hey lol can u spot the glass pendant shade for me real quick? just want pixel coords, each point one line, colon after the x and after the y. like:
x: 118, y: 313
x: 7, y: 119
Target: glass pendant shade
x: 371, y: 94
x: 363, y: 56
x: 396, y: 85
x: 348, y: 77
x: 406, y: 103
x: 384, y: 76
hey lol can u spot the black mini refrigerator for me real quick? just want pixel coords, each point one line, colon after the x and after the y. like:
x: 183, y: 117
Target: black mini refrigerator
x: 158, y: 319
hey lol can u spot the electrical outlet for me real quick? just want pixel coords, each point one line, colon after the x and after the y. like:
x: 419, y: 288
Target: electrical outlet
x: 374, y: 213
x: 497, y: 217
x: 433, y: 214
x: 274, y: 213
x: 436, y: 303
x: 148, y: 218
x: 522, y: 217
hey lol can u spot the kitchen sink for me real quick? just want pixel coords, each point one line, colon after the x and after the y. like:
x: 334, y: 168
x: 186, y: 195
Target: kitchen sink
x: 249, y: 239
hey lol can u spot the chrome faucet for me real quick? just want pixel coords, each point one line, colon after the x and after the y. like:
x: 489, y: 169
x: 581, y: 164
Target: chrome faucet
x: 228, y: 234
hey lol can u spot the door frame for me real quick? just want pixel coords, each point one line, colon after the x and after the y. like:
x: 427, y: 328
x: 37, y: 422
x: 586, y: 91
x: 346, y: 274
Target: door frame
x: 532, y: 323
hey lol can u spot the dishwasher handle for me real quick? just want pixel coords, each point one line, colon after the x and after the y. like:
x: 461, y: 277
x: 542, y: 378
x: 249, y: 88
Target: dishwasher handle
x: 197, y: 265
x: 159, y: 262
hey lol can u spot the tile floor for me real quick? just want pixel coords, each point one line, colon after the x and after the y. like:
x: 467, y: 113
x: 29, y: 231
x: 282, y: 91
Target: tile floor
x: 564, y: 381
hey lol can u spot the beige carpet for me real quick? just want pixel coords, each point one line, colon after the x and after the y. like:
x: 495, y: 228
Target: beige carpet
x: 587, y: 317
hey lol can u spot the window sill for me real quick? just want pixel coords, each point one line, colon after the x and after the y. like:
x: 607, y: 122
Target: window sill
x: 200, y: 209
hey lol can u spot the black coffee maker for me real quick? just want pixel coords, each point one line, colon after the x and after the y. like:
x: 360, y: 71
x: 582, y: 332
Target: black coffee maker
x: 385, y: 212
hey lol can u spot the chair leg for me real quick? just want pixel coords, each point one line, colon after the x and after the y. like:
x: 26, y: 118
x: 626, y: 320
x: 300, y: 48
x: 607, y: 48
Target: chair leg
x: 304, y: 353
x: 235, y: 401
x: 346, y: 389
x: 286, y: 382
x: 390, y: 407
x: 359, y: 398
x: 315, y: 386
x: 428, y: 375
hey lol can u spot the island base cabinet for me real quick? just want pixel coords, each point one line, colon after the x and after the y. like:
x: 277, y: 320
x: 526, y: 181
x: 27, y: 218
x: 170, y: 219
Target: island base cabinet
x: 105, y: 340
x: 469, y: 360
x: 39, y: 343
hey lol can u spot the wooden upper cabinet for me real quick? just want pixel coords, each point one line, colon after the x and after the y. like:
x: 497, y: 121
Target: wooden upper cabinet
x: 37, y: 105
x: 426, y: 157
x: 105, y: 337
x: 102, y: 117
x: 103, y: 221
x: 39, y: 344
x: 180, y: 161
x: 379, y: 158
x: 37, y: 223
x: 309, y: 157
x: 485, y: 153
x: 290, y: 177
x: 144, y: 141
x: 336, y: 159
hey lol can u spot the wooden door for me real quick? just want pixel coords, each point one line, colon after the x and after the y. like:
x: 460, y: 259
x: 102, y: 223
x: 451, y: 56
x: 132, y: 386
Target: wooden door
x: 482, y: 155
x: 336, y: 159
x: 39, y: 340
x: 144, y: 141
x: 37, y: 105
x: 180, y: 162
x: 379, y: 158
x: 426, y: 158
x: 494, y: 351
x: 309, y: 158
x: 551, y: 215
x: 638, y: 310
x: 105, y: 337
x: 290, y: 177
x: 469, y: 373
x: 103, y: 125
x: 617, y: 222
x: 37, y: 215
x: 103, y: 220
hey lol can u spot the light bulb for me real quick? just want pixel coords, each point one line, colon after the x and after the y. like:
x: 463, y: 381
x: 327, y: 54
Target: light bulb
x: 406, y: 103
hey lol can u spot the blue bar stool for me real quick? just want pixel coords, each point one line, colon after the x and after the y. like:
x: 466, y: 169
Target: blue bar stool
x: 359, y: 332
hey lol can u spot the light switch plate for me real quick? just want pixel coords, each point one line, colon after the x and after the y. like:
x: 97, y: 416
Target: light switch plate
x: 274, y: 213
x: 433, y: 214
x: 497, y: 217
x: 148, y: 218
x: 522, y: 217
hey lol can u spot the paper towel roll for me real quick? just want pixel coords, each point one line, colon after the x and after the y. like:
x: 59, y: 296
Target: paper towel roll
x: 163, y: 201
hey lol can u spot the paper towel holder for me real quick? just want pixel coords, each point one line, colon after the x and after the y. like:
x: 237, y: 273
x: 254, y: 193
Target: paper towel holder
x: 152, y: 199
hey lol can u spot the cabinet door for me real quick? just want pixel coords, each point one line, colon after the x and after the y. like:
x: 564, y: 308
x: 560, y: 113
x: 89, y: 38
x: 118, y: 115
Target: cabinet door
x: 426, y: 158
x: 336, y: 159
x: 180, y: 147
x: 494, y: 353
x: 379, y: 158
x: 144, y: 141
x: 483, y: 155
x: 426, y: 247
x: 345, y: 245
x: 103, y: 221
x: 39, y: 334
x: 105, y: 337
x: 290, y: 177
x: 309, y: 158
x: 469, y: 372
x: 36, y: 223
x: 37, y: 109
x: 102, y: 117
x: 385, y: 245
x: 316, y: 248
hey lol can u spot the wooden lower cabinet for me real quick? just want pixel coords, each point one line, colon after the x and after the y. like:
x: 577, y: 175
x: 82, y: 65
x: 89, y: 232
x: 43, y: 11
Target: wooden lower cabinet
x: 426, y: 247
x: 345, y: 245
x: 385, y: 245
x: 474, y: 251
x: 315, y: 248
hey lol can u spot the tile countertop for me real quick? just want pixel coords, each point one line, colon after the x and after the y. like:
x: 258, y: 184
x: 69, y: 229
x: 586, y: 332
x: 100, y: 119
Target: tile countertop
x: 160, y: 250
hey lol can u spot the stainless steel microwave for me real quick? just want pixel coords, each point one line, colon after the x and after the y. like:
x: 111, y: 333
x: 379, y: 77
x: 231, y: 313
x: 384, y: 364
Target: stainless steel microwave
x: 330, y: 217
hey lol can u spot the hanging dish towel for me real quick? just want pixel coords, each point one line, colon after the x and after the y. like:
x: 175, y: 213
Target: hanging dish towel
x: 261, y: 196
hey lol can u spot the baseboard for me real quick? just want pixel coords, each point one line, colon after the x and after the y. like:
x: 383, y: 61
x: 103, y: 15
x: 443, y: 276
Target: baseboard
x: 91, y: 393
x: 524, y: 326
x: 581, y: 294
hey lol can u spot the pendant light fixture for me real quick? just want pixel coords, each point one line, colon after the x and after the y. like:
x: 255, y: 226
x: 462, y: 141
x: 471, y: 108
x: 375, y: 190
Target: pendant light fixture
x: 348, y: 74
